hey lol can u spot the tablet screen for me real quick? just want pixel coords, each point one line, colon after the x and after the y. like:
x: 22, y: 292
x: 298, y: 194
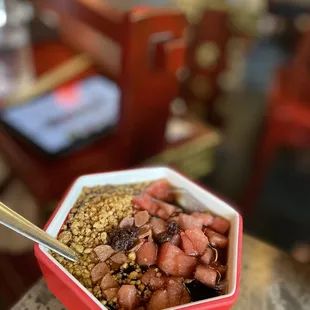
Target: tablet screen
x: 67, y: 115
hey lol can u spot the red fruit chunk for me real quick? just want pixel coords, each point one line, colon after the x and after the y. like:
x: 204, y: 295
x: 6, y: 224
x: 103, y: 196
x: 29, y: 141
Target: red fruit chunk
x: 146, y: 202
x: 161, y: 190
x: 147, y: 254
x: 99, y: 271
x: 158, y: 281
x: 155, y: 280
x: 186, y: 298
x: 114, y: 266
x: 108, y: 282
x: 159, y: 300
x: 145, y: 279
x: 127, y: 297
x: 208, y: 256
x: 103, y: 252
x: 198, y: 239
x: 188, y: 246
x: 166, y: 258
x: 186, y: 265
x: 162, y: 214
x: 110, y: 293
x: 175, y: 291
x: 119, y: 258
x: 206, y: 275
x: 168, y: 208
x: 216, y: 240
x: 141, y: 218
x: 207, y: 218
x: 176, y: 240
x: 177, y: 279
x: 158, y: 225
x: 188, y: 221
x: 220, y: 225
x: 174, y: 261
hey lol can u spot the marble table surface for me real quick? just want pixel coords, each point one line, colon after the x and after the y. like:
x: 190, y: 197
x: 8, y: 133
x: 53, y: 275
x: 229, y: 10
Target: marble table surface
x: 271, y: 280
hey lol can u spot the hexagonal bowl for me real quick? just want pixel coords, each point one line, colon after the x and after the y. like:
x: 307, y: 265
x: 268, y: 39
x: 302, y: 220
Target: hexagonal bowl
x: 73, y: 294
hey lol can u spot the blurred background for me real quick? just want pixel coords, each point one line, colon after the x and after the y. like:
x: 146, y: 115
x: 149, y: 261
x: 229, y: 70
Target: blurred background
x: 217, y: 89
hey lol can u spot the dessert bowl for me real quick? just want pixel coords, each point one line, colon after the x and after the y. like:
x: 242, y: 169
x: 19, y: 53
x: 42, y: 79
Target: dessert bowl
x: 75, y: 296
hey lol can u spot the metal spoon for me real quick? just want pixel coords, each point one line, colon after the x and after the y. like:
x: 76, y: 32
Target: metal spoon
x: 16, y: 222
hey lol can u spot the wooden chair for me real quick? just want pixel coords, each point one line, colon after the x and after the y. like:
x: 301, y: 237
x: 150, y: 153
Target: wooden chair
x: 123, y: 46
x: 205, y: 62
x: 288, y: 118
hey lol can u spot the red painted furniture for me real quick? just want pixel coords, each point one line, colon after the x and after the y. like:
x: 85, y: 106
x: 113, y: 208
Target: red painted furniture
x: 147, y: 90
x: 287, y: 124
x: 201, y: 87
x: 288, y: 118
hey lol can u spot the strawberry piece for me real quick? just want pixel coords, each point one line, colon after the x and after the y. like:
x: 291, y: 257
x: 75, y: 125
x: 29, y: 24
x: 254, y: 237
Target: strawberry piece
x: 161, y: 190
x: 141, y: 218
x: 159, y: 300
x: 174, y: 261
x: 127, y: 297
x: 110, y: 293
x: 162, y: 214
x: 186, y: 298
x: 146, y: 202
x: 119, y: 258
x: 158, y: 225
x: 108, y: 282
x: 189, y: 221
x: 155, y: 280
x: 186, y: 265
x: 175, y: 291
x: 158, y: 281
x: 220, y: 225
x: 166, y: 258
x: 145, y: 279
x: 208, y: 257
x: 198, y: 239
x: 99, y: 271
x: 147, y: 254
x: 206, y: 275
x: 103, y: 252
x: 207, y: 218
x: 216, y: 240
x: 188, y: 246
x: 177, y: 279
x: 168, y: 208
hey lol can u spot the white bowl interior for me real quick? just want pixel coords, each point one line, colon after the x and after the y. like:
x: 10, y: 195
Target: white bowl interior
x: 148, y: 174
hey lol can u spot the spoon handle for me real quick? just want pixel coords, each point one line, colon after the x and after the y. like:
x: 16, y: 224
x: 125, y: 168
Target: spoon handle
x: 16, y: 222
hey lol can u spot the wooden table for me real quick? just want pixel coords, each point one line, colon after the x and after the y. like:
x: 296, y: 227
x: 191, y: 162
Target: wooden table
x: 271, y: 280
